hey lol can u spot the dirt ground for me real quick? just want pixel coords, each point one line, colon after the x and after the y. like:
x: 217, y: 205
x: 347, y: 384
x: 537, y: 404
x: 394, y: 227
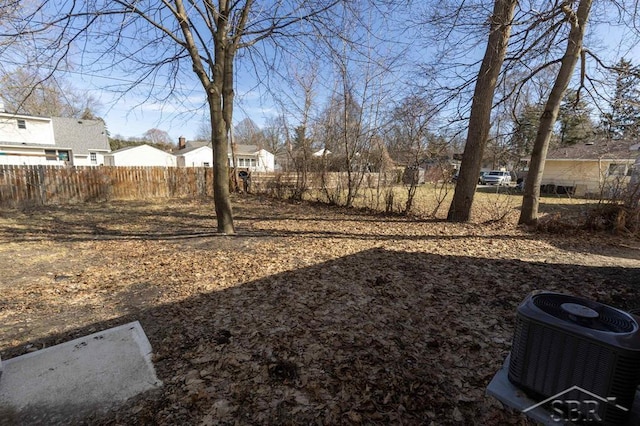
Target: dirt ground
x: 309, y: 315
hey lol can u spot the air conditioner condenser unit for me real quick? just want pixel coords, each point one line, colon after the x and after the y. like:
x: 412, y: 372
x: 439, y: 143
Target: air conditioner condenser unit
x: 573, y: 348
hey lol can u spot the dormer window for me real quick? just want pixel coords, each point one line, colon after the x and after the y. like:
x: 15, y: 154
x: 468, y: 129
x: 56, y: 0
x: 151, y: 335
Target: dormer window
x: 22, y: 124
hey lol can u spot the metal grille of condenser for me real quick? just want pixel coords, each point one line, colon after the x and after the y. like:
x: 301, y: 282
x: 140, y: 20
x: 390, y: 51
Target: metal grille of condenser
x: 555, y: 349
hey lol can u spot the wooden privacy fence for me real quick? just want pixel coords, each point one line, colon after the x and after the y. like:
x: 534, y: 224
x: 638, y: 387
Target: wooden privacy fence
x: 25, y: 186
x: 42, y: 185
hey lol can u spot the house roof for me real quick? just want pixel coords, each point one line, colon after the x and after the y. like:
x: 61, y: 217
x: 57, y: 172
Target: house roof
x: 240, y: 149
x: 598, y: 150
x: 321, y: 152
x: 195, y: 144
x: 247, y: 149
x: 190, y: 149
x: 129, y: 148
x: 13, y: 115
x: 82, y: 136
x: 126, y: 148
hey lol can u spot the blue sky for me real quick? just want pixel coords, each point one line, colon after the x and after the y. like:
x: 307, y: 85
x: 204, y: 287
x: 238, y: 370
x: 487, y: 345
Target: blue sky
x: 131, y: 114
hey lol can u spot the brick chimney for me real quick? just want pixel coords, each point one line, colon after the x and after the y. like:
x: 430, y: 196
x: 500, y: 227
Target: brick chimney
x: 182, y: 142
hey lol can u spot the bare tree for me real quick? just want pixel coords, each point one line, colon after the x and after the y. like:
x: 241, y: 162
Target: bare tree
x: 538, y: 34
x: 157, y: 136
x: 350, y: 127
x: 479, y: 122
x: 408, y: 139
x: 299, y: 148
x: 161, y: 40
x: 298, y: 116
x: 28, y: 91
x: 362, y: 79
x: 204, y: 130
x: 273, y: 136
x: 577, y: 19
x: 247, y: 132
x: 299, y: 138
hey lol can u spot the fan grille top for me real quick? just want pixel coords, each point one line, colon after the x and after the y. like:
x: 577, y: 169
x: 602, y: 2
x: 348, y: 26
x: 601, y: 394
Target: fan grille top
x: 586, y: 313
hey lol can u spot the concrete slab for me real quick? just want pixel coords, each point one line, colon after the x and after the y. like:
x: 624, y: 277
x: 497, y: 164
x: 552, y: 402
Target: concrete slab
x: 65, y: 382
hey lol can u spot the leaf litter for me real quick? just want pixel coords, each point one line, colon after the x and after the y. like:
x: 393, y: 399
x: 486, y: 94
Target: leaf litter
x: 309, y: 315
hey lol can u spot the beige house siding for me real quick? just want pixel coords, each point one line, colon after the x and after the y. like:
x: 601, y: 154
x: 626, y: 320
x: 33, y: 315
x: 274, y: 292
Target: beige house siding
x: 598, y: 168
x: 588, y: 177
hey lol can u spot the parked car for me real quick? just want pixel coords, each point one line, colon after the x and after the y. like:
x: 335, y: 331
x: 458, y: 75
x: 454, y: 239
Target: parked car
x: 480, y: 178
x: 496, y: 177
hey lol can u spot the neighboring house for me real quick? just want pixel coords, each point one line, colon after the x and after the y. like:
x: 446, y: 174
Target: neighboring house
x: 593, y: 169
x: 195, y: 156
x: 86, y: 140
x: 31, y: 140
x: 249, y: 157
x: 140, y: 155
x: 255, y: 159
x: 321, y: 153
x: 28, y: 140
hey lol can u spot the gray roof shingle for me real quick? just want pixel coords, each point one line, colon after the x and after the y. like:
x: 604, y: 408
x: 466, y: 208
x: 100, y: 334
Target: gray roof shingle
x: 189, y: 149
x: 600, y: 149
x: 240, y: 149
x: 82, y: 136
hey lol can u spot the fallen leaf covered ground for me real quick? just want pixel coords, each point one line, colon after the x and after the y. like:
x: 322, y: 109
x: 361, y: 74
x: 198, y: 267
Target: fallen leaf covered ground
x: 309, y: 315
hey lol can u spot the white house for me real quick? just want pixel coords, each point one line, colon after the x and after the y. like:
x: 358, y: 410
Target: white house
x: 253, y: 158
x: 198, y: 156
x: 249, y: 157
x: 140, y: 155
x: 28, y: 140
x: 31, y: 140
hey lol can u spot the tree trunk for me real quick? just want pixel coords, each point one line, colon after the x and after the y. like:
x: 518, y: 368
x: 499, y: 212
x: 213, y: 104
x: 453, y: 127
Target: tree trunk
x: 222, y: 201
x: 479, y: 122
x: 531, y: 198
x: 214, y: 89
x: 219, y: 108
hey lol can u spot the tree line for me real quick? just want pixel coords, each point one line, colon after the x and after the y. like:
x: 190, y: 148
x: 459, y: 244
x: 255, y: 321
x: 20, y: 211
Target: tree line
x: 369, y: 82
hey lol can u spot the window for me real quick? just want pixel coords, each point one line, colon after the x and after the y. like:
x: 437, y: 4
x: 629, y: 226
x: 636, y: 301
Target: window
x: 617, y: 169
x: 94, y: 157
x: 50, y: 154
x: 53, y: 155
x: 246, y: 162
x: 22, y: 124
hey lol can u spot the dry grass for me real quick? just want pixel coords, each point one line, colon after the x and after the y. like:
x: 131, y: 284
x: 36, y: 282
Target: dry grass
x: 491, y: 203
x: 309, y: 315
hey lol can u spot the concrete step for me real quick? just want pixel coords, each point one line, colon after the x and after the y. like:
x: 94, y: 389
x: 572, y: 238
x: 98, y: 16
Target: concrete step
x: 68, y: 381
